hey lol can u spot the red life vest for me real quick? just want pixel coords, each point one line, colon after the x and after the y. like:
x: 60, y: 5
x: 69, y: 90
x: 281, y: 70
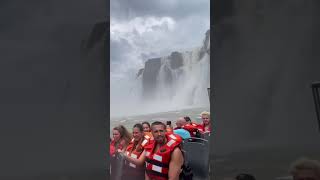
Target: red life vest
x: 169, y: 130
x: 194, y: 124
x: 201, y: 127
x: 113, y: 148
x: 138, y: 151
x: 191, y: 128
x: 157, y: 163
x: 149, y: 136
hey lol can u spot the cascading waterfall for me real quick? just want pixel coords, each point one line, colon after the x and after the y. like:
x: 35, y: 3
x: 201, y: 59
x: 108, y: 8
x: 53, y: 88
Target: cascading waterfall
x: 188, y: 84
x: 177, y: 81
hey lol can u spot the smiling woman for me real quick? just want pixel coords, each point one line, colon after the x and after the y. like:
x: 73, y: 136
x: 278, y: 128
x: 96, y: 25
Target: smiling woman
x: 135, y: 150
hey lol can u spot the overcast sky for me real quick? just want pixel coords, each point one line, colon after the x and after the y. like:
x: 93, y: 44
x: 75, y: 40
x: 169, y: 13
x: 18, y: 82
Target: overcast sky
x: 144, y: 29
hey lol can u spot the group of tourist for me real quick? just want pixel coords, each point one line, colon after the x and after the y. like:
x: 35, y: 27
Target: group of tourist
x: 153, y: 151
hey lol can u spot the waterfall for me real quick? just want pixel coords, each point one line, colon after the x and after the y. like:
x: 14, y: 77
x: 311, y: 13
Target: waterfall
x: 173, y: 82
x: 185, y: 86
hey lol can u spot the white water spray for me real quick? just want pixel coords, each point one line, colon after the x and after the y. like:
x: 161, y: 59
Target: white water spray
x: 176, y: 88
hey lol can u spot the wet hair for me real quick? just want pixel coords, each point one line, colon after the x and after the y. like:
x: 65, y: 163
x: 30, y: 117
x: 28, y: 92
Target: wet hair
x: 124, y: 133
x: 139, y: 126
x: 187, y: 118
x: 245, y: 177
x: 158, y: 123
x: 305, y: 164
x: 147, y: 123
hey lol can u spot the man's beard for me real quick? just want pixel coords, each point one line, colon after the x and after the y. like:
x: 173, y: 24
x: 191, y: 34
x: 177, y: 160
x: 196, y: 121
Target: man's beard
x: 160, y: 140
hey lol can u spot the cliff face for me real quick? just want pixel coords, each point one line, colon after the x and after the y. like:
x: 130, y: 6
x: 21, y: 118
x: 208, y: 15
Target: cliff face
x: 206, y: 45
x: 164, y: 67
x: 149, y: 76
x: 176, y: 60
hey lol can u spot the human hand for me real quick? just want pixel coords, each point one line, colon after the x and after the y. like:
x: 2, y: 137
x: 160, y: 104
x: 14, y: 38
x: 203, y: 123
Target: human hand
x: 121, y: 153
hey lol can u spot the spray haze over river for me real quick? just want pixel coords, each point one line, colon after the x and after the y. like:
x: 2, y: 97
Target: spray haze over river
x: 167, y: 83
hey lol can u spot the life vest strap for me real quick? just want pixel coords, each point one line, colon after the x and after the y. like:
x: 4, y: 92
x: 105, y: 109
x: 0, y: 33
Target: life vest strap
x: 157, y: 163
x: 129, y: 166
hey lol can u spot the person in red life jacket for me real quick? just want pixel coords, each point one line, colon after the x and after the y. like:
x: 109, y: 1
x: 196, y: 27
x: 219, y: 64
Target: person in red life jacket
x: 205, y: 127
x: 188, y: 119
x: 147, y: 129
x: 181, y: 123
x: 146, y: 126
x: 134, y: 150
x: 121, y: 138
x: 163, y: 158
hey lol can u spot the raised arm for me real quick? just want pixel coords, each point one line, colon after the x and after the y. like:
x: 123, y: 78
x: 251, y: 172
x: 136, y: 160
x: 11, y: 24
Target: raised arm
x: 175, y: 164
